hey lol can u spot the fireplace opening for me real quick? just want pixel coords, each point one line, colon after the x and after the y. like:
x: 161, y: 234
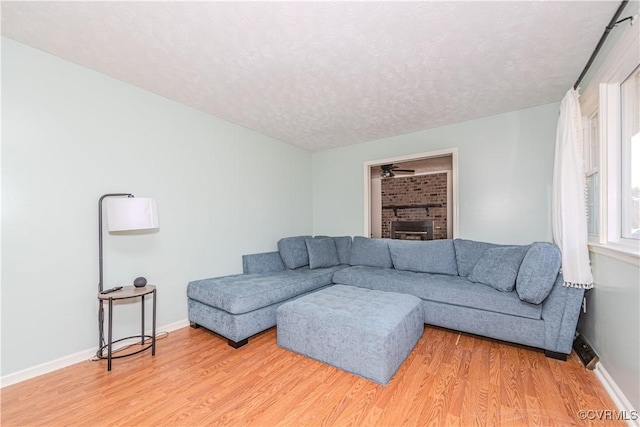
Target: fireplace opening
x: 412, y: 230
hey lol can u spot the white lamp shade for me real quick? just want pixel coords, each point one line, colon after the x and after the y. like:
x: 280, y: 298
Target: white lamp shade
x: 131, y: 213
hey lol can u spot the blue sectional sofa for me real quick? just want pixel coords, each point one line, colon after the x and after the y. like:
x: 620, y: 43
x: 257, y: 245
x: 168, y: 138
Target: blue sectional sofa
x: 505, y: 292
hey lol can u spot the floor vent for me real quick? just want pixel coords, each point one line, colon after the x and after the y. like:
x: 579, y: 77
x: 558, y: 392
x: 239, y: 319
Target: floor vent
x: 585, y: 352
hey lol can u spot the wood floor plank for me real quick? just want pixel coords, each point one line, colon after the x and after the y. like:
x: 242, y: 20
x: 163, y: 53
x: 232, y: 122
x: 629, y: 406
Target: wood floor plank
x: 197, y: 379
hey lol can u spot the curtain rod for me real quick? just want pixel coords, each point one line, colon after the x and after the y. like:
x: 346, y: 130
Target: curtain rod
x: 614, y: 21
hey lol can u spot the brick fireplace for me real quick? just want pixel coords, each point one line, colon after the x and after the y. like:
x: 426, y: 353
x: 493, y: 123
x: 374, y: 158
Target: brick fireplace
x: 415, y: 198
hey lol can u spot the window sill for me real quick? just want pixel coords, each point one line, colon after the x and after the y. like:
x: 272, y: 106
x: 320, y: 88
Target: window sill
x: 624, y: 253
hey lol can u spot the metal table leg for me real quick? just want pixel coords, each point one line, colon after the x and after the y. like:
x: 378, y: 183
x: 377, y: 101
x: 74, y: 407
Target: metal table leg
x: 109, y: 348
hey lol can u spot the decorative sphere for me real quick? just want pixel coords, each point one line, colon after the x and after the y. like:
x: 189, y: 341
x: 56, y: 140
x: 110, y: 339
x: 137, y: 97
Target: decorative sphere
x: 140, y: 282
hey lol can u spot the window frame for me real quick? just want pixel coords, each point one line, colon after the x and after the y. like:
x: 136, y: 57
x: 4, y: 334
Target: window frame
x: 602, y: 96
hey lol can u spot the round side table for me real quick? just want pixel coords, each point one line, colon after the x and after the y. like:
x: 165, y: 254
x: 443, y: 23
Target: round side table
x: 125, y: 293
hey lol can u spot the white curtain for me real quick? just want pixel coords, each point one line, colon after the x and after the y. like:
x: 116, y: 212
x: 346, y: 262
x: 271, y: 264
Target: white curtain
x: 568, y: 204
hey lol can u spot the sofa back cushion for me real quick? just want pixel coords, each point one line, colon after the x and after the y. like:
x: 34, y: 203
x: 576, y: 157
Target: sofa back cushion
x: 538, y: 272
x: 322, y: 252
x: 293, y: 251
x: 429, y: 256
x: 468, y: 253
x: 343, y: 246
x: 370, y: 252
x: 498, y: 267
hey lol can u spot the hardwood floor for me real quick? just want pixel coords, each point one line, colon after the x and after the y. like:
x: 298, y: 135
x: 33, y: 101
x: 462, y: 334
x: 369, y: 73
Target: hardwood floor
x: 196, y: 379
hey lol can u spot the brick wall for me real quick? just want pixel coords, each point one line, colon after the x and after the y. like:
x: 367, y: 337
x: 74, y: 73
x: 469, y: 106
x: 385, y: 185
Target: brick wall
x: 415, y: 190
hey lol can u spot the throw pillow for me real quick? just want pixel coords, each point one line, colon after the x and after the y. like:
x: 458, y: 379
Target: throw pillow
x: 432, y: 256
x: 293, y: 251
x: 370, y: 252
x: 468, y: 253
x: 322, y: 253
x: 538, y: 272
x: 498, y: 267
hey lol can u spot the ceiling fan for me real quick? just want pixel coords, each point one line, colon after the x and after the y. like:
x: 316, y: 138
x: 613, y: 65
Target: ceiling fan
x: 388, y: 171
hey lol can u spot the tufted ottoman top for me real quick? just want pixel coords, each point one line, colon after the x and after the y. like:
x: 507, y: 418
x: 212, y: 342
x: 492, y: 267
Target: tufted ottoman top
x: 376, y: 311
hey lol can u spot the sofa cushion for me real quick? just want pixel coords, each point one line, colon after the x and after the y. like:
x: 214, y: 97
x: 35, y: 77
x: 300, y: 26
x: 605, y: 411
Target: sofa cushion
x: 498, y: 267
x: 343, y: 245
x: 538, y: 272
x: 243, y: 293
x: 370, y: 252
x: 430, y: 256
x: 293, y: 251
x: 322, y: 253
x: 468, y: 252
x: 265, y: 262
x: 445, y: 289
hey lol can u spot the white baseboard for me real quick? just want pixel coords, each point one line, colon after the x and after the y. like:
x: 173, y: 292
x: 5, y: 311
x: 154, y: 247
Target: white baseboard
x: 69, y: 360
x: 618, y: 397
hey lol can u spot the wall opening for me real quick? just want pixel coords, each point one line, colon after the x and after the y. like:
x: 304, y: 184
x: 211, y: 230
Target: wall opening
x: 412, y: 198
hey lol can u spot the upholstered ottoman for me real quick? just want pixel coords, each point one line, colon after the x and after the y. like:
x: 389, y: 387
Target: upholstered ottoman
x: 366, y: 332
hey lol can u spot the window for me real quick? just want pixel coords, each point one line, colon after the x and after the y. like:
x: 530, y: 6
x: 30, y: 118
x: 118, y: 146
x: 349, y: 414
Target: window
x: 610, y: 105
x: 630, y: 155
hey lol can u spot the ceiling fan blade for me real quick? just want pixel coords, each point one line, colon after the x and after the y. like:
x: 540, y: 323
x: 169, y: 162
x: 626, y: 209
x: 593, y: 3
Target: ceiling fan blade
x: 388, y: 170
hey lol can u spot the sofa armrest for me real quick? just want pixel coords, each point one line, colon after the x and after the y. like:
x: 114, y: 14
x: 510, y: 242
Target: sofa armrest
x: 266, y: 262
x: 560, y: 312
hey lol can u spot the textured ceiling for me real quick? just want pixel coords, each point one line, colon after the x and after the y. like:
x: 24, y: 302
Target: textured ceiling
x: 326, y: 74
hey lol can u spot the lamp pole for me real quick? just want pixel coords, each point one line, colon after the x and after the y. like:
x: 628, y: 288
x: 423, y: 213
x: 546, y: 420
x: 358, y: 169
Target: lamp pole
x: 101, y: 280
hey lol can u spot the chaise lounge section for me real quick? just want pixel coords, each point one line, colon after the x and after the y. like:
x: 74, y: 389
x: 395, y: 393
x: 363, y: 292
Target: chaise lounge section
x: 243, y: 305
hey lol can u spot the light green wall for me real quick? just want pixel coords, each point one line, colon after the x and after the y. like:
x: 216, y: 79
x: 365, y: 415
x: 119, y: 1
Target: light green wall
x: 612, y: 322
x: 505, y: 165
x: 70, y: 135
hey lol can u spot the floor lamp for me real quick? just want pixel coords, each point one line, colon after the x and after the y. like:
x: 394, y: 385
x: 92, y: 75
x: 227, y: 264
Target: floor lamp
x: 124, y: 213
